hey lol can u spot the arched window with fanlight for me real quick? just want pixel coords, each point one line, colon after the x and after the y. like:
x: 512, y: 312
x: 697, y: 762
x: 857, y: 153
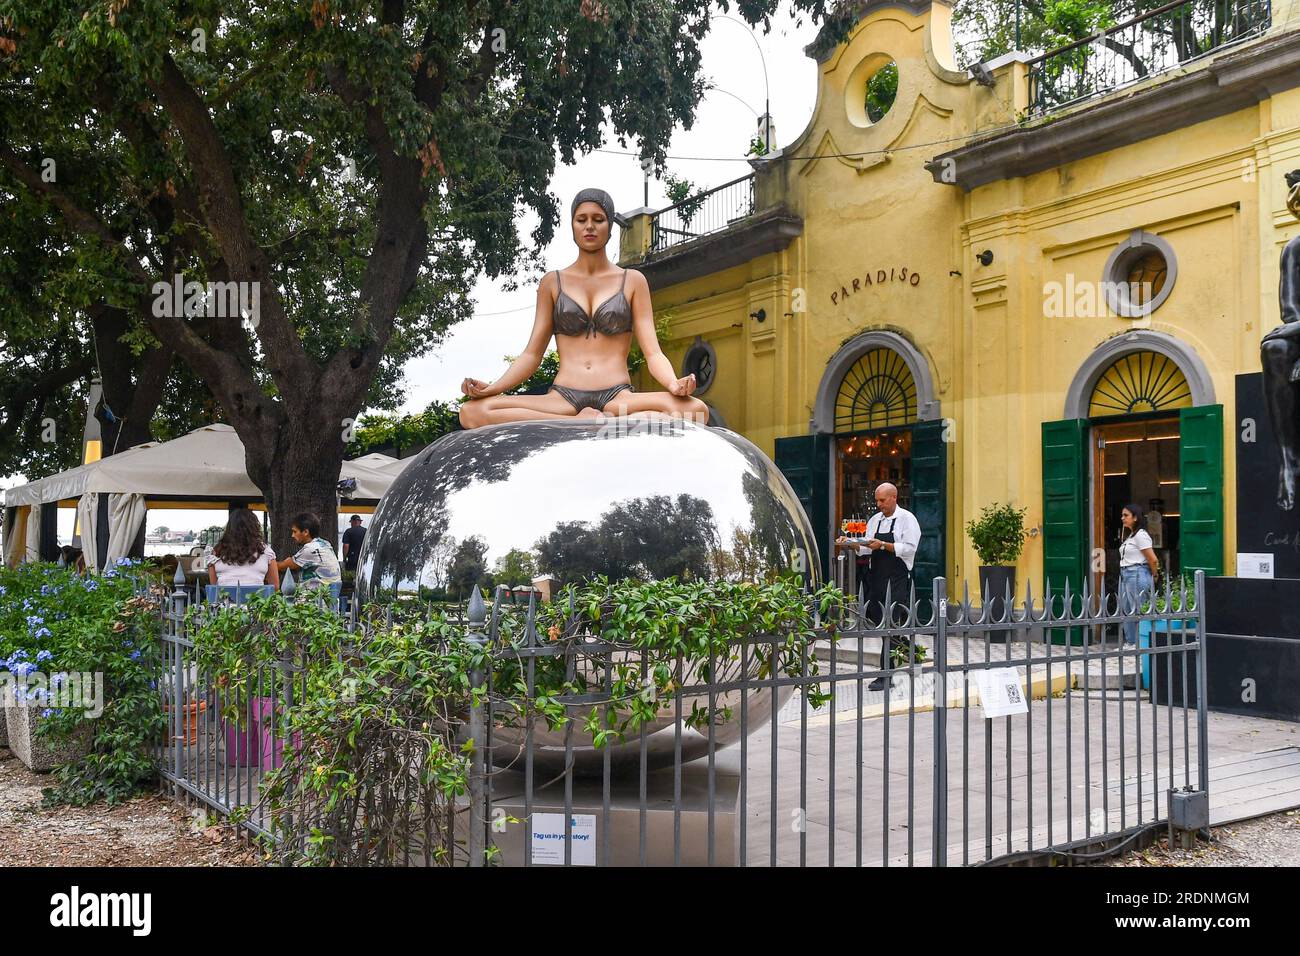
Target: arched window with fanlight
x: 878, y: 391
x: 875, y: 411
x: 1140, y: 382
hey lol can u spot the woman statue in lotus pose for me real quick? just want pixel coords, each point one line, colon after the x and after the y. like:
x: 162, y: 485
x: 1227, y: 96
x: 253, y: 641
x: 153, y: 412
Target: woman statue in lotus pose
x: 593, y: 309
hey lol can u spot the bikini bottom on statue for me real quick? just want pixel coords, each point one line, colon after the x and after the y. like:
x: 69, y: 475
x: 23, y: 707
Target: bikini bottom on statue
x: 596, y: 398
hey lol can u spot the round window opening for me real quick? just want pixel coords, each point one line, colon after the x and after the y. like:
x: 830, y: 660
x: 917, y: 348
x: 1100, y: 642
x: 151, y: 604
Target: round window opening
x: 871, y: 90
x: 1140, y: 275
x: 703, y: 361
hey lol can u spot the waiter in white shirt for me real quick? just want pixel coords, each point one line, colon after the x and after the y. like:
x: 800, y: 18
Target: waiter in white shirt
x: 893, y: 535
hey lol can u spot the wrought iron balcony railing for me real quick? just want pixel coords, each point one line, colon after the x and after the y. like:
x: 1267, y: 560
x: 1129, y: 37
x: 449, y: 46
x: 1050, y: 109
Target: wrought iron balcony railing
x: 702, y: 214
x: 1148, y: 44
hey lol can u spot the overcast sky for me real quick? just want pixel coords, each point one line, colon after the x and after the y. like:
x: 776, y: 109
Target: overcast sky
x: 708, y: 155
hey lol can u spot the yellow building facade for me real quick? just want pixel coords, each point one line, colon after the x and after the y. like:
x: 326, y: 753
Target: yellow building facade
x: 991, y: 293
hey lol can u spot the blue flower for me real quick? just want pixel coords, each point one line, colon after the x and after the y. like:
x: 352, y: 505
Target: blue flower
x: 41, y: 632
x: 35, y: 620
x: 46, y: 712
x: 91, y: 584
x: 135, y: 655
x: 19, y: 655
x: 44, y: 655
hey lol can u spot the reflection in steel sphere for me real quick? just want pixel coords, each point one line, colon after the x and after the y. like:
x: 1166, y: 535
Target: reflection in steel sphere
x: 639, y: 497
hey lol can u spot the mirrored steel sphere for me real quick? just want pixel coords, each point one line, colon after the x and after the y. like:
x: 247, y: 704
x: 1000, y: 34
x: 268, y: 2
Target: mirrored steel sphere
x: 642, y: 497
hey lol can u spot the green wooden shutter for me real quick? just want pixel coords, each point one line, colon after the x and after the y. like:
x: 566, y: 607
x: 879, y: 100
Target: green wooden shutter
x: 1200, y: 496
x: 1065, y: 504
x: 805, y: 462
x: 1065, y: 514
x: 929, y: 502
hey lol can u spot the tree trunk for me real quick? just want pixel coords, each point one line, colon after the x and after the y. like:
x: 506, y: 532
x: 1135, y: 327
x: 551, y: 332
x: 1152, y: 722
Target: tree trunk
x: 300, y: 475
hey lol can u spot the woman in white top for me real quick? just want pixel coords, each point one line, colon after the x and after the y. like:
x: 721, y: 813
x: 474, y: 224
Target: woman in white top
x: 242, y: 556
x: 1137, y: 567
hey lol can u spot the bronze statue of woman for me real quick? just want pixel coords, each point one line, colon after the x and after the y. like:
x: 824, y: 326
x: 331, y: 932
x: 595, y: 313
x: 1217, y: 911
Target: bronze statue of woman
x: 593, y: 309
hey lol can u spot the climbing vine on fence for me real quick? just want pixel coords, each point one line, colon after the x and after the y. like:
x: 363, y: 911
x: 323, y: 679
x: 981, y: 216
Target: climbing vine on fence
x: 377, y: 748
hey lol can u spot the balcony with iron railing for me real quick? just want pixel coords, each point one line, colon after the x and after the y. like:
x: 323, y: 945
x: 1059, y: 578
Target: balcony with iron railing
x: 1151, y: 43
x: 709, y: 231
x: 702, y: 214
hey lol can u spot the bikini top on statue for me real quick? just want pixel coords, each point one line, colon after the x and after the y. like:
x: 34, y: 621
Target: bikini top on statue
x: 612, y: 317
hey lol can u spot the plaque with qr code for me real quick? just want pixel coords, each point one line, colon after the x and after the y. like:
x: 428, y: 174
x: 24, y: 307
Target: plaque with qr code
x: 1001, y: 691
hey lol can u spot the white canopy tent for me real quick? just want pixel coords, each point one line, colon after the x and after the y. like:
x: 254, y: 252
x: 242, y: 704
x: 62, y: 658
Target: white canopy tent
x: 202, y: 469
x: 385, y: 463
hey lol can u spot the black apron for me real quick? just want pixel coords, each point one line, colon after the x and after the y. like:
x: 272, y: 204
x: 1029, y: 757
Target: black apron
x: 887, y: 571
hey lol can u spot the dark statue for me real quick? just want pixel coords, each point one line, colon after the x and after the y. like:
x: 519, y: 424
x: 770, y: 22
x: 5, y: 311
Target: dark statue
x: 1280, y: 355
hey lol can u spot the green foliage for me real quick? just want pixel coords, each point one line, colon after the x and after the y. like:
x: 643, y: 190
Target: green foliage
x: 468, y: 567
x: 684, y: 195
x: 377, y: 752
x: 900, y: 656
x: 364, y: 162
x: 1181, y: 594
x: 882, y: 89
x: 54, y: 622
x: 998, y: 534
x: 987, y: 28
x: 401, y: 433
x: 540, y: 380
x: 515, y: 568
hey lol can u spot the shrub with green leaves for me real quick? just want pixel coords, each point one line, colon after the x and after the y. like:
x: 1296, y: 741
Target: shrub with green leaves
x: 55, y: 621
x: 376, y: 753
x: 998, y: 534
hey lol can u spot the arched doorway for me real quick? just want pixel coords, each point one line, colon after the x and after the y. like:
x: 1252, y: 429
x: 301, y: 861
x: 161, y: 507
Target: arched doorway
x: 1142, y: 428
x: 875, y: 420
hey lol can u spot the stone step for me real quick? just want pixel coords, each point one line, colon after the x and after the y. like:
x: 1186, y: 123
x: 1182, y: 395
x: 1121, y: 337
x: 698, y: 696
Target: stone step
x: 1095, y: 680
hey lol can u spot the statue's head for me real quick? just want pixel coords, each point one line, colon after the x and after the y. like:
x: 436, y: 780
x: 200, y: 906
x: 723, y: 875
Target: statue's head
x: 592, y: 217
x: 1293, y: 192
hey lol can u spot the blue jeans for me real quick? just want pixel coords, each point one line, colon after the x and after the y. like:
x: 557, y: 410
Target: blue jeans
x: 1135, y: 585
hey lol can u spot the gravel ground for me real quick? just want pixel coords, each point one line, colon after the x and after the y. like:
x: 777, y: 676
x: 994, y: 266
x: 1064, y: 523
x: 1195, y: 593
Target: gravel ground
x: 154, y: 831
x: 1266, y: 841
x: 147, y: 831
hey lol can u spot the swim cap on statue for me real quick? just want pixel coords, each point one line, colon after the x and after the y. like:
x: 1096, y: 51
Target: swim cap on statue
x: 601, y: 198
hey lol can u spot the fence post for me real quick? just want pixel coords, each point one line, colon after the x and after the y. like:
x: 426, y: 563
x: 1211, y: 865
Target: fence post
x: 477, y: 811
x: 1202, y: 705
x: 285, y: 721
x: 939, y: 825
x: 179, y: 606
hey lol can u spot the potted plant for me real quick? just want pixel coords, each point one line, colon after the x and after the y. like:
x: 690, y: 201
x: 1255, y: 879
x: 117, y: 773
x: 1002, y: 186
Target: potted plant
x: 25, y: 706
x: 998, y: 536
x: 1184, y: 630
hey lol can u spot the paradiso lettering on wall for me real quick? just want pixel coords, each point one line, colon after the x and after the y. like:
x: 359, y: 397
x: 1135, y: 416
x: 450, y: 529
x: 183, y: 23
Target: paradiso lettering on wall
x: 894, y: 275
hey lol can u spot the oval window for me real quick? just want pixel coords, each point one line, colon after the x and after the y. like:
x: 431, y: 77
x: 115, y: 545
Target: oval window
x: 871, y: 89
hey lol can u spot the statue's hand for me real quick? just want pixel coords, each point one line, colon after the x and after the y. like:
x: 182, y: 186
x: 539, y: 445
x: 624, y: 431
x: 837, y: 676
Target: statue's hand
x: 684, y: 386
x: 474, y: 388
x: 1287, y: 330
